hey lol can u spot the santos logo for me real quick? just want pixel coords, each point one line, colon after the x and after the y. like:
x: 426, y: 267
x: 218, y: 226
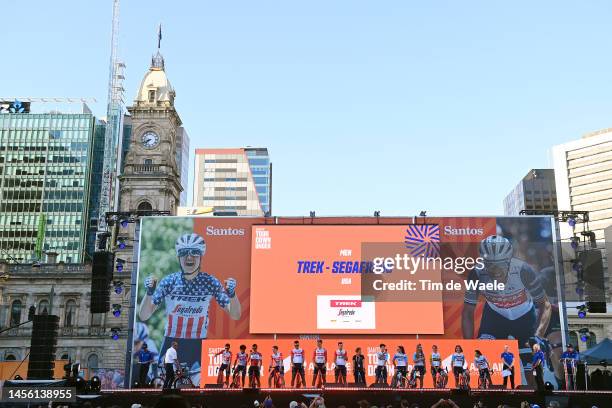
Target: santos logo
x: 449, y: 230
x: 210, y: 230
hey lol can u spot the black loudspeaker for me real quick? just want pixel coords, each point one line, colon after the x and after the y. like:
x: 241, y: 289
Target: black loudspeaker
x: 101, y: 277
x: 385, y: 385
x: 209, y: 386
x: 593, y: 277
x: 580, y: 377
x: 42, y: 347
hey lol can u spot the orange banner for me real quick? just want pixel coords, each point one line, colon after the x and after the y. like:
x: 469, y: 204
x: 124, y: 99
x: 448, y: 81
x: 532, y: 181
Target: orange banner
x: 330, y: 279
x: 491, y: 349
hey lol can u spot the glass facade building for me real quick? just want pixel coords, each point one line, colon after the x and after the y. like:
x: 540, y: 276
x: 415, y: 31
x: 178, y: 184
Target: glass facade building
x: 261, y: 170
x: 233, y: 180
x: 45, y: 184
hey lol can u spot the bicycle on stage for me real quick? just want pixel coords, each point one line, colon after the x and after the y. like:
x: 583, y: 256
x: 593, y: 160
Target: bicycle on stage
x: 441, y: 378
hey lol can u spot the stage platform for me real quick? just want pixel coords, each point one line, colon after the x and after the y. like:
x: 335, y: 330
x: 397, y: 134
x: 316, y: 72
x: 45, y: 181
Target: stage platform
x: 334, y: 397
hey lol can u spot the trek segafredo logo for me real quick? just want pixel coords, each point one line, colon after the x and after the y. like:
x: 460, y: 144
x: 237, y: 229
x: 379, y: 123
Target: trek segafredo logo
x: 210, y: 230
x: 450, y: 230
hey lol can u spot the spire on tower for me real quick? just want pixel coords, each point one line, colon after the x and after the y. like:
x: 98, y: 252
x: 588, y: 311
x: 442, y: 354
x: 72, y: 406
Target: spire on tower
x: 157, y: 62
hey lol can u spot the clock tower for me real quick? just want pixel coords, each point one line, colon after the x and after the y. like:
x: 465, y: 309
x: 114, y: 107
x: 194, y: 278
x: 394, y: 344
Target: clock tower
x: 150, y: 179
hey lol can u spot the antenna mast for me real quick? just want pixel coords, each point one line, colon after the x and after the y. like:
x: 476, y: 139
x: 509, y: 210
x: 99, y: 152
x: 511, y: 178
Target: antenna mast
x: 114, y: 129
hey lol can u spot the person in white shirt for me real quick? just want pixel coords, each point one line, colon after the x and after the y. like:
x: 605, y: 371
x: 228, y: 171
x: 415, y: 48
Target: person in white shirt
x: 171, y: 362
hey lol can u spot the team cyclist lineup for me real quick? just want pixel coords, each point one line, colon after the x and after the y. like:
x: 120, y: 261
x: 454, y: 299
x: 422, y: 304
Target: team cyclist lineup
x: 408, y: 371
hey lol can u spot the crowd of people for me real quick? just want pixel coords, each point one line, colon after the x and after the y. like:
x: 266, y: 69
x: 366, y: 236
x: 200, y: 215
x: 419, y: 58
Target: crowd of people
x: 177, y: 401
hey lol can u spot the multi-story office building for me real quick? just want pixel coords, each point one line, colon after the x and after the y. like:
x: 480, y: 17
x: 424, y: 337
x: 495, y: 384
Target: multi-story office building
x: 583, y: 174
x: 234, y: 180
x: 536, y: 191
x: 583, y: 178
x: 182, y: 161
x: 46, y: 164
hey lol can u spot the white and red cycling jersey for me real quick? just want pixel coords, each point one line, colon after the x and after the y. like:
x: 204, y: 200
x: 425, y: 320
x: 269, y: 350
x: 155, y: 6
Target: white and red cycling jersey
x: 320, y: 355
x: 226, y: 357
x: 255, y: 358
x: 341, y: 357
x: 521, y: 288
x: 277, y: 359
x: 297, y: 356
x: 187, y: 303
x: 242, y: 358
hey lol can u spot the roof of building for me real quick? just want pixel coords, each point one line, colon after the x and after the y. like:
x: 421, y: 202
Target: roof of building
x: 156, y: 79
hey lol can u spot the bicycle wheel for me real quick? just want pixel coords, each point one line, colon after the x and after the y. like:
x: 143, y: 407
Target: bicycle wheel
x: 183, y: 382
x: 157, y: 383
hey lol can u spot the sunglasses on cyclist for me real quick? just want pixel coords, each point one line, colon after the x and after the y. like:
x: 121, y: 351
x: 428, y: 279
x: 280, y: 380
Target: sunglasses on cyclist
x: 190, y: 252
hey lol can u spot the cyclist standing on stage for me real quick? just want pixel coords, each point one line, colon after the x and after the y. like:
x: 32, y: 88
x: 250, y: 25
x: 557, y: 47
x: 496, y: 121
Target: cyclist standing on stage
x: 187, y: 295
x: 276, y: 366
x: 240, y: 363
x: 297, y: 363
x: 171, y: 363
x: 319, y: 357
x: 537, y: 365
x: 569, y: 358
x: 381, y: 365
x: 358, y: 369
x: 419, y: 363
x: 226, y: 362
x: 400, y: 361
x: 340, y: 361
x: 512, y: 310
x: 482, y: 364
x: 508, y: 360
x: 255, y: 358
x: 458, y: 362
x: 436, y: 363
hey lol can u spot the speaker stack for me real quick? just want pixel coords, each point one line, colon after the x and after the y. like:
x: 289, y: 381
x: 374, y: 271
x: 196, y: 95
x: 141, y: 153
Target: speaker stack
x: 42, y: 347
x: 101, y: 278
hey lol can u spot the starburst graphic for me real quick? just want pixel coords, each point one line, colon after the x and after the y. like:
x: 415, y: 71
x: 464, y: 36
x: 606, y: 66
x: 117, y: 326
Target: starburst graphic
x: 423, y: 240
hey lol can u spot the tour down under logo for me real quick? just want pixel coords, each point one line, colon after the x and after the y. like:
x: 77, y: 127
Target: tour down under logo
x: 423, y: 240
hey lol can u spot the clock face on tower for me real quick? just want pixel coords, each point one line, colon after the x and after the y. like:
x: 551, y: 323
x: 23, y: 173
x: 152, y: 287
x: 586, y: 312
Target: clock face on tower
x: 149, y: 139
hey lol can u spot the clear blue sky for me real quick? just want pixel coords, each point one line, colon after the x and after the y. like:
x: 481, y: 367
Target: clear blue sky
x: 395, y: 106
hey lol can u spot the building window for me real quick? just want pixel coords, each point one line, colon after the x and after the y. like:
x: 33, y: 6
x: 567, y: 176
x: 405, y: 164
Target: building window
x: 96, y: 319
x: 148, y: 161
x: 152, y: 95
x: 145, y: 206
x: 65, y: 356
x: 592, y: 340
x: 9, y: 357
x: 70, y: 318
x: 573, y: 339
x: 16, y: 313
x: 92, y: 362
x: 43, y: 307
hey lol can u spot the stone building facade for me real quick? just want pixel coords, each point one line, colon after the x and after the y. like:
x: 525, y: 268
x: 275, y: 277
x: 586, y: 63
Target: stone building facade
x: 63, y: 290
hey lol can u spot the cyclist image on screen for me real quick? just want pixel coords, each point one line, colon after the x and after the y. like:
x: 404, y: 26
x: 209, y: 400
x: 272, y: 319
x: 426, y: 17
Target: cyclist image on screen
x: 511, y: 311
x: 187, y: 295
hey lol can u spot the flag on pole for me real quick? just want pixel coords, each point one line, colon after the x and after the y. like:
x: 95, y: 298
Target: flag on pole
x: 159, y: 37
